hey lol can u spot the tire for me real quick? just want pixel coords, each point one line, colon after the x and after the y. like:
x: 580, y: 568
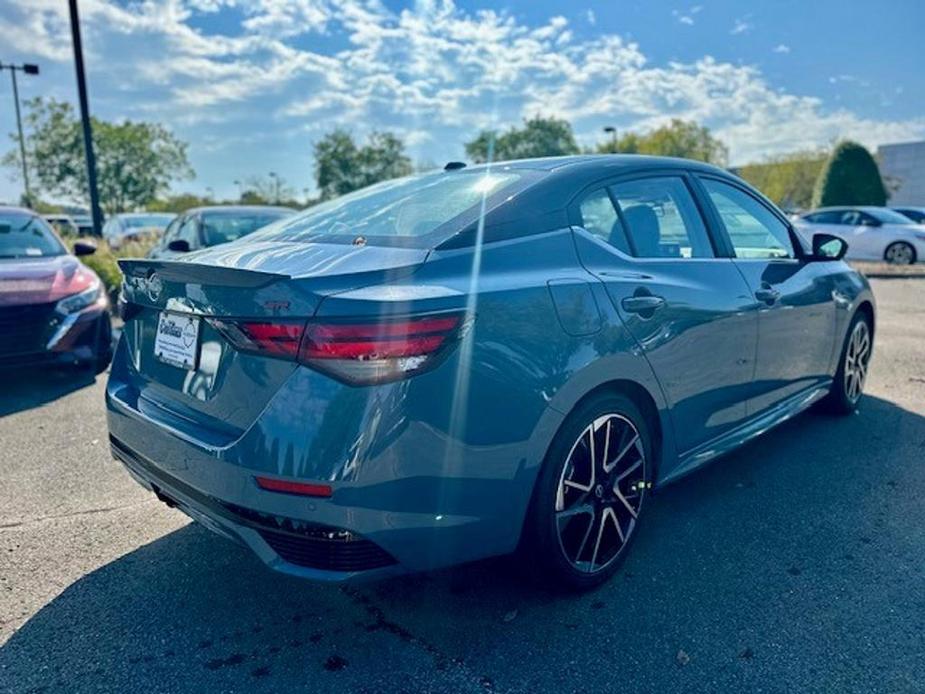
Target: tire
x: 899, y: 253
x: 853, y: 364
x: 570, y: 553
x: 103, y: 346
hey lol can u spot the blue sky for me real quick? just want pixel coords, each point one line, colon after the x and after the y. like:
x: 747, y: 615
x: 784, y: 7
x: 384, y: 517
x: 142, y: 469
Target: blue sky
x: 251, y: 84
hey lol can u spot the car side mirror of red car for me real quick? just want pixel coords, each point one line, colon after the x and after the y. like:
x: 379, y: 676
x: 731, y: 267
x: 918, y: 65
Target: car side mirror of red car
x: 84, y: 248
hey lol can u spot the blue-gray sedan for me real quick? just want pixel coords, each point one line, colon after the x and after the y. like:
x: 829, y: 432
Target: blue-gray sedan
x: 479, y: 360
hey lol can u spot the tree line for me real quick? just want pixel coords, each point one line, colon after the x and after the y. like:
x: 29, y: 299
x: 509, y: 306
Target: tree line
x: 138, y: 162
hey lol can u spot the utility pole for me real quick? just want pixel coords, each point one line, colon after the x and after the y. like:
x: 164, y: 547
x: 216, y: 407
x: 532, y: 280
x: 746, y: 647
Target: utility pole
x: 28, y: 69
x: 85, y: 119
x: 613, y: 133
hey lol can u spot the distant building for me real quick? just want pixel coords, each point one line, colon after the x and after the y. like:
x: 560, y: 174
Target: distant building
x: 902, y: 166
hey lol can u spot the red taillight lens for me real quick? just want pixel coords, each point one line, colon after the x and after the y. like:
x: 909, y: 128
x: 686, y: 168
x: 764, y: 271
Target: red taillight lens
x: 379, y: 351
x: 274, y: 339
x: 359, y: 353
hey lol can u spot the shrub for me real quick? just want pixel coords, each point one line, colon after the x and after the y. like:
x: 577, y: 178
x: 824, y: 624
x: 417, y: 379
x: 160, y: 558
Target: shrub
x: 849, y: 177
x: 105, y: 261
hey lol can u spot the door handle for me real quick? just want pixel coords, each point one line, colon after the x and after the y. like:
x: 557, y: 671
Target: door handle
x: 767, y: 294
x: 642, y: 304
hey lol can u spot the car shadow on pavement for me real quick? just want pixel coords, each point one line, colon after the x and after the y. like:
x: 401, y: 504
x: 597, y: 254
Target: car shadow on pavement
x: 793, y: 558
x: 25, y: 389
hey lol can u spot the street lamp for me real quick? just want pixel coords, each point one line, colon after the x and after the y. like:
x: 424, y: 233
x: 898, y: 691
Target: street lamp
x: 275, y: 187
x: 613, y: 134
x: 26, y: 69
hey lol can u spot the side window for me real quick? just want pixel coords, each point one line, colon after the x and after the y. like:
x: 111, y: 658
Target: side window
x: 170, y: 233
x: 850, y: 218
x: 599, y: 217
x: 754, y: 230
x: 824, y: 217
x: 189, y: 232
x: 661, y: 218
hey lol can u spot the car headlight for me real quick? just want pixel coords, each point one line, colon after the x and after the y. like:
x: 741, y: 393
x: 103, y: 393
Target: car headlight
x: 80, y: 301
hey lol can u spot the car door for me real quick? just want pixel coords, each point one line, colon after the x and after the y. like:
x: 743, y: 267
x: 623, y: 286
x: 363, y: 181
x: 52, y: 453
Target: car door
x: 690, y: 311
x: 861, y: 231
x: 796, y: 309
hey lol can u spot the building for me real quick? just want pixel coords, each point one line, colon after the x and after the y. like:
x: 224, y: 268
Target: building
x: 902, y: 166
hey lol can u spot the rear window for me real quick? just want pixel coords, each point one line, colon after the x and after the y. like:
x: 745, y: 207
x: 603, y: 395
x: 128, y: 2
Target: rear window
x: 152, y: 220
x: 404, y: 211
x: 27, y: 236
x: 223, y: 228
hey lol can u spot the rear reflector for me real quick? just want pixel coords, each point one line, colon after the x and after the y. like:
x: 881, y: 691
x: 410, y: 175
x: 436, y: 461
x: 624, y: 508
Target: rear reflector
x: 359, y: 353
x: 271, y: 484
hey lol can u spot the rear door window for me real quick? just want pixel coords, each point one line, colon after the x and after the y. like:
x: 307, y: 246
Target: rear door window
x: 599, y: 216
x: 661, y: 218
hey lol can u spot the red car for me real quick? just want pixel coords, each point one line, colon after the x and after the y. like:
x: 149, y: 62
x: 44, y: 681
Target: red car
x: 54, y: 310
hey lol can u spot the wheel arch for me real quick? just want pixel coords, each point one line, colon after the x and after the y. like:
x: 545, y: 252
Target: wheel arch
x: 867, y: 308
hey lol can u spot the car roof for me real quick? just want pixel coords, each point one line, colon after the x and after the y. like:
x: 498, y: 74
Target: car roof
x: 843, y: 208
x: 239, y: 209
x: 10, y: 209
x: 122, y: 215
x: 597, y: 162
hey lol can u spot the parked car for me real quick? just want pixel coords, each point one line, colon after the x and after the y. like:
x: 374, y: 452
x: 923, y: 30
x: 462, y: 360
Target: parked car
x: 916, y: 214
x: 63, y: 224
x: 204, y: 227
x: 461, y: 364
x: 84, y: 224
x: 872, y: 233
x: 53, y: 309
x: 133, y: 226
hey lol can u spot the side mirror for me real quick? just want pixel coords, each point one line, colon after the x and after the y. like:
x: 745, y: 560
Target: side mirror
x: 84, y: 248
x: 179, y: 246
x: 828, y: 247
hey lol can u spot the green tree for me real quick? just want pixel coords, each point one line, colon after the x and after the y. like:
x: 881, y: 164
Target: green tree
x: 679, y: 138
x: 850, y: 176
x: 136, y: 161
x: 179, y: 203
x: 787, y: 179
x: 342, y: 166
x: 539, y: 137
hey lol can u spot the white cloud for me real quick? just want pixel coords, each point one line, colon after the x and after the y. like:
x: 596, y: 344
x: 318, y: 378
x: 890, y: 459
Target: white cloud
x: 686, y: 16
x: 781, y: 48
x: 434, y: 73
x: 741, y: 26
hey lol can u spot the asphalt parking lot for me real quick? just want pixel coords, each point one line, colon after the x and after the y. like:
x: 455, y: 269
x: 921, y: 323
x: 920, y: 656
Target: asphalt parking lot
x: 795, y: 564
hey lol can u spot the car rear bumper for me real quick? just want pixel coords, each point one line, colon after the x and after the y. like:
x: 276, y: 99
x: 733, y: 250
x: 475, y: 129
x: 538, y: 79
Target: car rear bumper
x: 407, y: 496
x: 317, y: 552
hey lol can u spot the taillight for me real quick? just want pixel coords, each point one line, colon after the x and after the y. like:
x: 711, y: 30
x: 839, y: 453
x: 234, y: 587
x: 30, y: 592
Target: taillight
x: 274, y: 339
x: 359, y: 353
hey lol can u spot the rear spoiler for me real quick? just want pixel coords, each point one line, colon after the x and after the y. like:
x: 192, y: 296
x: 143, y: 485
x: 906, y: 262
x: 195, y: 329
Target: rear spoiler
x: 213, y: 275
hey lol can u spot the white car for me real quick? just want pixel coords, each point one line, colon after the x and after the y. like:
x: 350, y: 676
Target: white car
x: 916, y: 214
x: 872, y: 233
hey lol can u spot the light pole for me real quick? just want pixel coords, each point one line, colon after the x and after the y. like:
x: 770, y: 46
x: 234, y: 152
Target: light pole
x: 26, y: 69
x: 275, y: 187
x: 613, y: 134
x: 95, y: 212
